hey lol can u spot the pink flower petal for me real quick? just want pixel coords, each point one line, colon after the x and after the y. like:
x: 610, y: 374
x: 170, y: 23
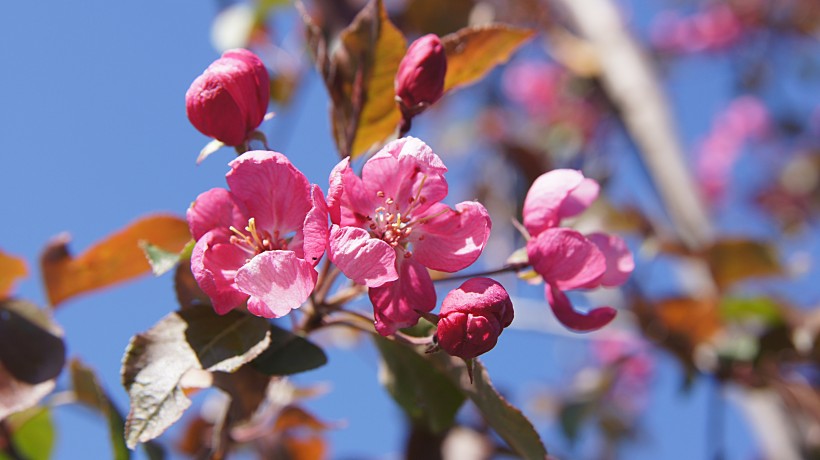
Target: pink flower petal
x: 619, y: 261
x: 334, y: 192
x: 397, y: 304
x: 566, y: 258
x: 452, y: 240
x: 214, y: 263
x: 555, y: 195
x: 215, y: 208
x: 275, y: 193
x: 406, y: 169
x: 575, y: 320
x: 316, y: 231
x: 365, y: 260
x: 277, y: 281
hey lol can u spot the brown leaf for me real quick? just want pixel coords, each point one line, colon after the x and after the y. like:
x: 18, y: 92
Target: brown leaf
x: 294, y: 417
x: 736, y: 260
x: 11, y: 268
x: 472, y: 52
x: 115, y: 259
x: 359, y: 76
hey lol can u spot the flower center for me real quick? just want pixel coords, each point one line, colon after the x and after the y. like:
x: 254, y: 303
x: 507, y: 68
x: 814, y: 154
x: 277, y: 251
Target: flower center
x: 255, y: 240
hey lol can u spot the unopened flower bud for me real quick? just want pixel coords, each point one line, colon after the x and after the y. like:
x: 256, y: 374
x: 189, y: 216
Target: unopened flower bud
x: 472, y: 317
x: 229, y: 100
x: 420, y: 79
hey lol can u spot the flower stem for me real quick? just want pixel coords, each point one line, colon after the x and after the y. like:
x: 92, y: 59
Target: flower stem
x: 505, y: 269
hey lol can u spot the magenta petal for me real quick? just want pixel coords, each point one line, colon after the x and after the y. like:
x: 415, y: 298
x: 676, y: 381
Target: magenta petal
x: 619, y: 261
x: 397, y: 304
x: 334, y: 192
x: 406, y: 168
x: 365, y: 260
x: 316, y: 231
x: 277, y: 281
x: 275, y: 193
x: 214, y: 263
x: 566, y: 258
x: 575, y: 320
x: 555, y: 195
x: 215, y: 208
x: 452, y: 240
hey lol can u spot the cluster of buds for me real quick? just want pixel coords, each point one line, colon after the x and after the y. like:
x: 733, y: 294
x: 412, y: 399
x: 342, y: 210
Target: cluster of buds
x: 420, y: 80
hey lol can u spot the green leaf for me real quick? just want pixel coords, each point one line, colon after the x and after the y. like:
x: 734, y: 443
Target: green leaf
x: 473, y: 51
x: 288, y: 354
x: 761, y: 309
x: 32, y: 355
x: 161, y: 261
x: 32, y: 433
x: 572, y: 416
x: 189, y: 340
x: 736, y: 260
x: 504, y: 418
x: 424, y: 392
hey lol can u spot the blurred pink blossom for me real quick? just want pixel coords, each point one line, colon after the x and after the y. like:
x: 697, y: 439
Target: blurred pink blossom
x: 565, y: 258
x: 712, y: 28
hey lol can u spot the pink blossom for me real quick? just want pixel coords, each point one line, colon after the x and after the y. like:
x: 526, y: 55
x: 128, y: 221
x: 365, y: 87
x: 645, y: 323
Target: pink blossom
x: 565, y: 258
x: 229, y: 100
x: 389, y: 227
x: 535, y: 85
x: 259, y: 241
x: 472, y: 317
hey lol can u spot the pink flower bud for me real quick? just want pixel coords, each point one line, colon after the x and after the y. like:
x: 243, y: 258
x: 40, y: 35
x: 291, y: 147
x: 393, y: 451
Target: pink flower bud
x: 229, y: 100
x: 472, y: 317
x: 420, y: 79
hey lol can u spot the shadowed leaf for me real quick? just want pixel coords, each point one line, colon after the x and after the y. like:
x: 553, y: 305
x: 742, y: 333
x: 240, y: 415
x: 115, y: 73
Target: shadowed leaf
x: 288, y: 354
x: 504, y: 418
x: 424, y: 392
x: 115, y: 259
x: 32, y: 355
x: 473, y: 51
x: 11, y: 268
x: 189, y: 340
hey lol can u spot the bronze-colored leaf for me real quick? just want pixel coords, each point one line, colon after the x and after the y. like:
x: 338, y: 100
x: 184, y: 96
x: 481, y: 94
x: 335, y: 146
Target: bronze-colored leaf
x: 696, y: 320
x: 115, y: 259
x: 472, y: 52
x: 359, y: 76
x: 736, y: 260
x: 11, y: 268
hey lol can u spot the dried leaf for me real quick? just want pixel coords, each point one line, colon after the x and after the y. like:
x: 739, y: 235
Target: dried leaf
x: 115, y: 259
x: 11, y: 268
x: 473, y: 51
x: 156, y: 361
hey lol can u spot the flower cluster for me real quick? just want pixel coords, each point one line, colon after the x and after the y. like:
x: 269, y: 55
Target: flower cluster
x: 565, y: 258
x: 258, y: 242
